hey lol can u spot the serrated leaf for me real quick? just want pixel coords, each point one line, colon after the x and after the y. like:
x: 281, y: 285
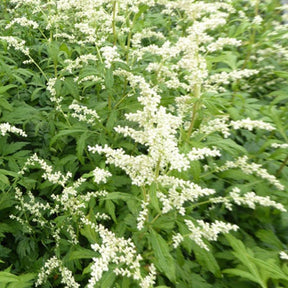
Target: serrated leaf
x: 270, y: 269
x: 12, y: 148
x: 111, y: 120
x: 6, y: 199
x: 65, y: 133
x: 270, y: 238
x: 226, y: 144
x: 4, y: 179
x: 89, y: 233
x: 5, y: 88
x: 119, y: 196
x: 109, y: 78
x: 82, y: 253
x: 109, y: 205
x: 25, y: 281
x: 6, y: 277
x: 245, y: 257
x: 9, y: 173
x: 282, y: 74
x: 108, y: 279
x: 163, y: 259
x: 81, y: 145
x: 153, y: 197
x: 207, y: 260
x: 5, y: 104
x: 243, y: 274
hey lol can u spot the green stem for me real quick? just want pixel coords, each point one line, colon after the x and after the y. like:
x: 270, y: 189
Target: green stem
x: 40, y: 69
x: 282, y: 167
x: 155, y: 218
x: 252, y: 38
x: 144, y: 193
x: 197, y: 93
x: 114, y: 23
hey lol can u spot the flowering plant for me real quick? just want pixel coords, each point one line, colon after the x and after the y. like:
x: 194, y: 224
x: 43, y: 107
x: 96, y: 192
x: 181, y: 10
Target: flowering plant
x: 155, y: 135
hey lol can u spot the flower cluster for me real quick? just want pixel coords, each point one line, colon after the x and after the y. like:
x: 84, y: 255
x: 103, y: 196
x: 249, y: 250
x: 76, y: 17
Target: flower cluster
x: 251, y: 168
x: 23, y: 21
x: 82, y: 113
x: 66, y: 275
x: 283, y: 255
x: 16, y: 43
x: 121, y: 252
x: 251, y: 199
x: 143, y: 214
x: 6, y: 127
x: 251, y: 124
x: 55, y: 178
x: 278, y: 145
x: 179, y: 191
x: 204, y: 231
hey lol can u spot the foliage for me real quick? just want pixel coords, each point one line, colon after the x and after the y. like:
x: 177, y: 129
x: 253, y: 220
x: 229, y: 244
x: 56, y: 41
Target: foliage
x: 143, y: 143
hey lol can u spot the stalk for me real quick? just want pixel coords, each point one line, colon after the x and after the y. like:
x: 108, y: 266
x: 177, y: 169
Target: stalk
x: 282, y: 167
x: 113, y: 23
x: 197, y: 93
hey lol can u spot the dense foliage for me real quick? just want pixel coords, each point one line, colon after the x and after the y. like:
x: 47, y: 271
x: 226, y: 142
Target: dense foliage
x: 143, y: 143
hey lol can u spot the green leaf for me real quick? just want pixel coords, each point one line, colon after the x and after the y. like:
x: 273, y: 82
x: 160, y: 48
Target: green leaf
x: 109, y: 205
x: 282, y: 74
x: 207, y: 260
x: 6, y: 277
x: 226, y: 144
x: 5, y: 104
x: 82, y: 253
x: 25, y: 281
x: 163, y: 259
x: 6, y: 199
x: 243, y: 274
x: 81, y: 145
x: 65, y: 133
x: 9, y: 173
x: 111, y: 120
x: 5, y: 88
x: 119, y: 196
x: 270, y: 238
x: 109, y: 78
x: 13, y: 147
x: 4, y: 179
x: 153, y: 197
x: 270, y: 268
x: 108, y: 279
x: 245, y: 257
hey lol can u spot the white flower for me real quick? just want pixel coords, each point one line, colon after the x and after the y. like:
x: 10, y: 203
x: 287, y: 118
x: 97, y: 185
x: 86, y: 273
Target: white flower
x: 82, y: 113
x: 6, y: 127
x: 143, y: 214
x: 119, y: 251
x: 66, y: 275
x: 24, y: 22
x: 100, y: 175
x: 177, y: 239
x: 283, y: 255
x: 221, y: 42
x: 251, y: 199
x: 247, y: 168
x: 110, y: 55
x: 278, y: 145
x: 16, y: 43
x: 201, y: 153
x: 251, y: 124
x: 208, y: 231
x: 257, y: 20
